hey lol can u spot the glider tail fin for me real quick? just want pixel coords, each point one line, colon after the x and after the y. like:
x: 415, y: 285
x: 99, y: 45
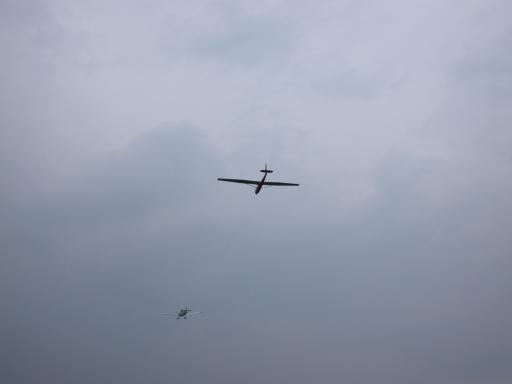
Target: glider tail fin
x: 266, y: 170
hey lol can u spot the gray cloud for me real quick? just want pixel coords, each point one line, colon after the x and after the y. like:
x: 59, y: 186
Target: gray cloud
x: 485, y: 70
x: 229, y: 33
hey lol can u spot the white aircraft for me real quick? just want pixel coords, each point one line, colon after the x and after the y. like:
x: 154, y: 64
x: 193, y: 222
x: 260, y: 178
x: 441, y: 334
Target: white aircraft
x: 183, y: 313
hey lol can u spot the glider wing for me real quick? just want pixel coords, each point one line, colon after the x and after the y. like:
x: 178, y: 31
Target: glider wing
x: 240, y: 181
x: 275, y: 183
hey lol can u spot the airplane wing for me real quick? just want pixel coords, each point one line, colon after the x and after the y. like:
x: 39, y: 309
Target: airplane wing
x: 194, y: 313
x: 239, y: 181
x: 275, y: 183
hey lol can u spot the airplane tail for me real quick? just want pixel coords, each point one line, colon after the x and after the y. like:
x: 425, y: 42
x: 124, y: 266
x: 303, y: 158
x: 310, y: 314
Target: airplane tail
x: 266, y: 170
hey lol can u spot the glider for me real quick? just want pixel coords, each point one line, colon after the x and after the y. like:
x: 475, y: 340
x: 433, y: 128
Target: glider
x: 261, y: 183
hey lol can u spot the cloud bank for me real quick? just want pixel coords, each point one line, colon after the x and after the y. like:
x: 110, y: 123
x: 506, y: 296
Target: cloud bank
x: 390, y: 263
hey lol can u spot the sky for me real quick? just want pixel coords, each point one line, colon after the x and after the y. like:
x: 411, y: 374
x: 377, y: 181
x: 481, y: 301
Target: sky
x: 391, y: 262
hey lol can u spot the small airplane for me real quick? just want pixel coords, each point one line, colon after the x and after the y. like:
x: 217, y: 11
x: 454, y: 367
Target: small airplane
x: 183, y: 313
x: 261, y: 183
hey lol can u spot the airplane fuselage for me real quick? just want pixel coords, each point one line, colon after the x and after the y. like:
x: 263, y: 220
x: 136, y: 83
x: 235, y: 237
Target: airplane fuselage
x: 183, y: 313
x: 260, y: 185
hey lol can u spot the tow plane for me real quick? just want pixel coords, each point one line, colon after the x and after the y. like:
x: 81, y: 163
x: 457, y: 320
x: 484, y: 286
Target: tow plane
x: 183, y: 313
x: 258, y: 185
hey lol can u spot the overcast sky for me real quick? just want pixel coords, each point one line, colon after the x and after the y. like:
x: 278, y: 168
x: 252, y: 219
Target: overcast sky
x: 391, y: 263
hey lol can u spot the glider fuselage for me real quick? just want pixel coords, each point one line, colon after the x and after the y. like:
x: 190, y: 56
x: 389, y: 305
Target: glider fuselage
x: 260, y: 185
